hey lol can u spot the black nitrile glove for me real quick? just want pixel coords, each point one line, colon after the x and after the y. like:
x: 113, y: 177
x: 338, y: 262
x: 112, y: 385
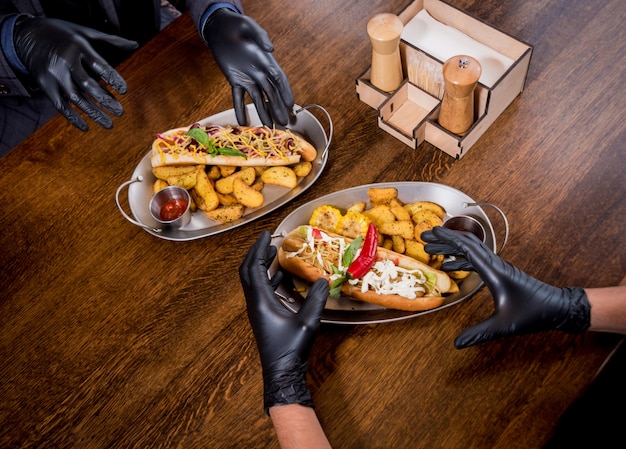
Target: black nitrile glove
x: 284, y: 339
x: 523, y: 304
x: 59, y: 57
x: 243, y: 52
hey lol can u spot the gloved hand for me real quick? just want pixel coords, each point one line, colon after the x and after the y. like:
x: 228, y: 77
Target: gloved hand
x: 59, y: 57
x: 523, y: 304
x: 243, y: 52
x: 284, y: 339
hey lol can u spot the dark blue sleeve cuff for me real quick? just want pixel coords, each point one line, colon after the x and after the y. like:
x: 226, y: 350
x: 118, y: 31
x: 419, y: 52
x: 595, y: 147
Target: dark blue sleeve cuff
x: 214, y: 7
x: 8, y: 45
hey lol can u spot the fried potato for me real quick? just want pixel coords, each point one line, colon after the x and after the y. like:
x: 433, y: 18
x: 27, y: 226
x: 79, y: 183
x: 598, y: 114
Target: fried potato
x: 227, y: 199
x: 213, y: 172
x: 387, y: 243
x: 246, y: 195
x: 398, y: 244
x: 259, y: 170
x: 197, y: 200
x: 459, y: 274
x: 225, y: 185
x: 382, y: 195
x: 416, y: 250
x: 186, y: 180
x: 417, y: 206
x: 427, y: 216
x: 226, y: 214
x: 258, y: 185
x: 403, y: 229
x: 380, y: 214
x: 159, y: 184
x: 301, y: 169
x: 227, y: 170
x: 204, y: 188
x: 400, y: 213
x: 395, y: 202
x: 436, y: 261
x: 167, y: 171
x: 419, y: 228
x: 280, y: 176
x: 357, y: 207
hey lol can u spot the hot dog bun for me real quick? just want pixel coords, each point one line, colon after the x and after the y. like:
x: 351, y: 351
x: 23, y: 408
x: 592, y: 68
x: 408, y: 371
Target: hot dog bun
x: 297, y: 266
x: 277, y: 147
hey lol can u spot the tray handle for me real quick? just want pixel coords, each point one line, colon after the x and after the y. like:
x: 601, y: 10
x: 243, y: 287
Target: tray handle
x: 329, y: 136
x: 502, y: 214
x: 119, y: 206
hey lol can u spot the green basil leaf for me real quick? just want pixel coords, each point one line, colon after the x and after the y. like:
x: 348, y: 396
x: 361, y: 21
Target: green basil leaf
x: 200, y: 135
x: 231, y: 152
x: 335, y: 287
x: 351, y: 250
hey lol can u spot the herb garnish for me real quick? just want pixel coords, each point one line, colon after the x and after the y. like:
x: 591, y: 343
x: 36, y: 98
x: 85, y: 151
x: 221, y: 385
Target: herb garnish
x: 203, y: 139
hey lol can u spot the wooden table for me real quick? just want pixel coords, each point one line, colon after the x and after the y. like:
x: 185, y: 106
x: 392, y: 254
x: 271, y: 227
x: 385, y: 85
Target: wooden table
x: 111, y: 337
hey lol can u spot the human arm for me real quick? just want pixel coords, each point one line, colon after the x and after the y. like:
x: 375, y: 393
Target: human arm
x: 523, y: 304
x: 608, y: 309
x: 284, y: 341
x: 298, y: 427
x: 58, y: 58
x: 244, y: 53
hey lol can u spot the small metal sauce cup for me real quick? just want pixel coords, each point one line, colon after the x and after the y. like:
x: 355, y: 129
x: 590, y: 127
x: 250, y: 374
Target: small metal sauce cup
x: 467, y: 224
x: 162, y: 197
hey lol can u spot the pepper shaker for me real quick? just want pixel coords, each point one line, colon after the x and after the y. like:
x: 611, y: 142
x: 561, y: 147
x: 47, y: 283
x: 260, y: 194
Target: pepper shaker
x: 460, y: 73
x: 384, y: 31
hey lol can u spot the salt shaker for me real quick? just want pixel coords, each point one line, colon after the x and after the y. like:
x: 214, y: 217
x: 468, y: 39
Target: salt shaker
x: 384, y: 31
x: 460, y: 73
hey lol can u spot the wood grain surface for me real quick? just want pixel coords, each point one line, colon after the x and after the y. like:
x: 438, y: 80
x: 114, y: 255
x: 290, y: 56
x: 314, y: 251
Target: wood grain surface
x: 113, y: 338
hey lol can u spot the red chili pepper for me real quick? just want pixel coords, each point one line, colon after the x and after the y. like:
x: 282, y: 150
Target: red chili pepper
x: 362, y: 264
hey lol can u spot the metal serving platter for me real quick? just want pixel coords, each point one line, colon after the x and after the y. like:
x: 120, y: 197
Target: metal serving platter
x: 343, y: 310
x: 140, y: 185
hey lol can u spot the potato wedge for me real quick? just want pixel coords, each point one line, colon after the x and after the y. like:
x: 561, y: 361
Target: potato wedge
x: 398, y: 244
x: 246, y: 195
x: 213, y: 172
x: 227, y: 200
x: 400, y: 213
x: 206, y: 191
x: 379, y: 215
x: 419, y: 228
x: 357, y: 207
x: 301, y: 169
x: 416, y: 250
x: 417, y: 206
x: 225, y: 185
x: 227, y: 170
x: 427, y: 216
x: 382, y: 195
x: 226, y: 214
x: 280, y: 176
x: 403, y: 229
x: 159, y: 184
x: 167, y: 171
x: 186, y: 180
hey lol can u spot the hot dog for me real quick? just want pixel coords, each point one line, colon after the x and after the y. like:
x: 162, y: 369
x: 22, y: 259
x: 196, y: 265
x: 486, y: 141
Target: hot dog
x: 311, y: 254
x: 239, y: 146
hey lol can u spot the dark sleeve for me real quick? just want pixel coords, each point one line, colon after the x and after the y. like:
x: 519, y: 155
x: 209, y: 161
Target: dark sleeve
x: 197, y: 9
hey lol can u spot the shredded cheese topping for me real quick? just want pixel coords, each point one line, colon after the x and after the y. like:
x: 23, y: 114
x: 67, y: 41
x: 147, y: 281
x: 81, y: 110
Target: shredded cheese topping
x: 385, y: 277
x: 254, y: 142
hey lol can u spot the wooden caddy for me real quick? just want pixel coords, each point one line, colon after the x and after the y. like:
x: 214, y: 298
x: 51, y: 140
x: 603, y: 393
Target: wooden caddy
x: 411, y: 114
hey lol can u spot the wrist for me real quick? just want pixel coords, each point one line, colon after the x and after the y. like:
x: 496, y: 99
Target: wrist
x: 286, y: 388
x: 578, y: 318
x: 209, y: 13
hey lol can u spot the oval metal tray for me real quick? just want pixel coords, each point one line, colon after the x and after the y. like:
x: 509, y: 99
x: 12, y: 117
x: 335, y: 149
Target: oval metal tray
x: 343, y: 310
x: 142, y: 180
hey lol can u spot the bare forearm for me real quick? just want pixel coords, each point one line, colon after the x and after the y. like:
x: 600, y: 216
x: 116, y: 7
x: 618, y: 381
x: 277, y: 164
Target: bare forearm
x: 298, y: 427
x: 608, y: 309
